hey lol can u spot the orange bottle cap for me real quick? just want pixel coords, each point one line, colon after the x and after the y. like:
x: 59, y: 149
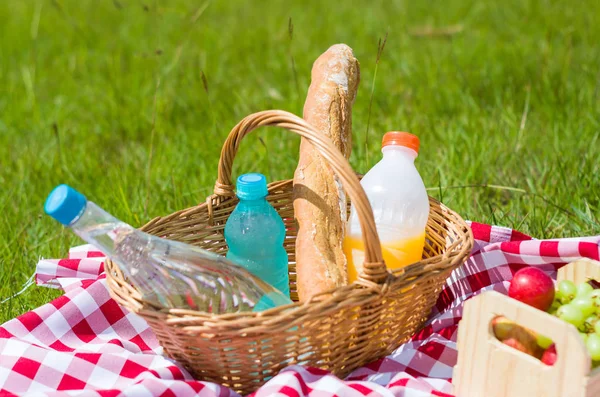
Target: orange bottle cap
x: 400, y: 138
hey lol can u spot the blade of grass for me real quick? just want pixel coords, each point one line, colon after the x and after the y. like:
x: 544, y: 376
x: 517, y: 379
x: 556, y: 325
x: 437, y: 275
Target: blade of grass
x: 380, y: 47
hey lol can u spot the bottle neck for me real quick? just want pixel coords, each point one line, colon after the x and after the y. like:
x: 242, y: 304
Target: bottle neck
x: 92, y: 215
x: 97, y: 227
x: 253, y: 202
x: 399, y: 151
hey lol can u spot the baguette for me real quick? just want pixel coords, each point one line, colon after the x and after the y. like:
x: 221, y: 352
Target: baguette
x: 319, y: 200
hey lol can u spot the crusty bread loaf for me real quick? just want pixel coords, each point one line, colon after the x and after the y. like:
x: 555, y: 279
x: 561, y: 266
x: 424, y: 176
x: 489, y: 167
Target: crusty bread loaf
x: 319, y: 201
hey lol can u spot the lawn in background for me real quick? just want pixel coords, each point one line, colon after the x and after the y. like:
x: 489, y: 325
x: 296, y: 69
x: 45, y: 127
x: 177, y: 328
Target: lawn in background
x: 129, y: 102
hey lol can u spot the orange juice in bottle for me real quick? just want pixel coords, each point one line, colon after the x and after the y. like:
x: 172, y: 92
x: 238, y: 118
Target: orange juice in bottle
x: 400, y: 206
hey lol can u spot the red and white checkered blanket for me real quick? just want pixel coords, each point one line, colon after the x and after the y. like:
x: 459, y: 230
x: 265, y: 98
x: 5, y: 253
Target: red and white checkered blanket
x: 85, y: 344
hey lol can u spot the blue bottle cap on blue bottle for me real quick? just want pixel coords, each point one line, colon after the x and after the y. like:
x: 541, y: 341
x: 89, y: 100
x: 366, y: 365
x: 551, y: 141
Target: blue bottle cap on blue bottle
x: 65, y: 204
x: 251, y: 186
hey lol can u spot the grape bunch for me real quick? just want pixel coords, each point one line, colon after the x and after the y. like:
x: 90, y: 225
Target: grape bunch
x: 580, y: 305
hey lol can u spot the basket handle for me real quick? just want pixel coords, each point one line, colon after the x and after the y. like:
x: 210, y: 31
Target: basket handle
x: 374, y: 269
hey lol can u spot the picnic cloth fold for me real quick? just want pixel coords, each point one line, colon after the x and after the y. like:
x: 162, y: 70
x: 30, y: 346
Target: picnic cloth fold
x: 84, y: 344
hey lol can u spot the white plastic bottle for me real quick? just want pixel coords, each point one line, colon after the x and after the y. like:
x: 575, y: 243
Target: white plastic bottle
x: 400, y: 206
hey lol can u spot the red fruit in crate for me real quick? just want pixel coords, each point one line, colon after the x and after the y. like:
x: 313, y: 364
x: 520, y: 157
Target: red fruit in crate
x: 549, y: 356
x: 532, y: 286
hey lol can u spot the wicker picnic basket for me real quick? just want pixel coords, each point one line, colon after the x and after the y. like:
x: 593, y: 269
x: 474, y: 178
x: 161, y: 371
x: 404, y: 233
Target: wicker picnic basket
x: 340, y: 330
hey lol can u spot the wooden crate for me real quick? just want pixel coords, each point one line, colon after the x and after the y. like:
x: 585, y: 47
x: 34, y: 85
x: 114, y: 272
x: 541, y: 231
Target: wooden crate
x: 487, y: 367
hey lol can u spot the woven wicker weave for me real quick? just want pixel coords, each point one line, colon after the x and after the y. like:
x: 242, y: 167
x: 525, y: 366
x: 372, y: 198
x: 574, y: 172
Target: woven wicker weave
x: 339, y: 330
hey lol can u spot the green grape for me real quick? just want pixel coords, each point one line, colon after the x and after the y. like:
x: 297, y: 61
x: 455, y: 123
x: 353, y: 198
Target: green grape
x: 594, y: 295
x: 584, y: 337
x: 590, y: 322
x: 584, y: 289
x: 565, y: 300
x: 593, y: 346
x: 585, y: 304
x: 571, y: 314
x: 555, y: 305
x: 568, y: 290
x: 597, y: 327
x: 543, y: 341
x: 557, y: 295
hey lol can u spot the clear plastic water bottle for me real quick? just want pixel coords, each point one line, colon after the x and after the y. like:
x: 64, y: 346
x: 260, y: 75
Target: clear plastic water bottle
x: 255, y: 233
x: 167, y: 273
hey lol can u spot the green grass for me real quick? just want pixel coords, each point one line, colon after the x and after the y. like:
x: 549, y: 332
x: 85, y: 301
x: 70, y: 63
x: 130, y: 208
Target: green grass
x: 109, y: 96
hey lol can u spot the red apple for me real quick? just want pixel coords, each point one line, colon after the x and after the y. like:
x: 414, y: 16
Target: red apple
x: 549, y: 356
x: 532, y: 286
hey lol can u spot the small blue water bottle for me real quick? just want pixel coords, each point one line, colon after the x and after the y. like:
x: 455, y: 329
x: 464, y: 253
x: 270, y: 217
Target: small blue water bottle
x: 255, y: 233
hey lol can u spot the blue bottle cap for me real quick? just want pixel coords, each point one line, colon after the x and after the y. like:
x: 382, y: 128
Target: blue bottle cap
x: 251, y: 186
x: 65, y: 204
